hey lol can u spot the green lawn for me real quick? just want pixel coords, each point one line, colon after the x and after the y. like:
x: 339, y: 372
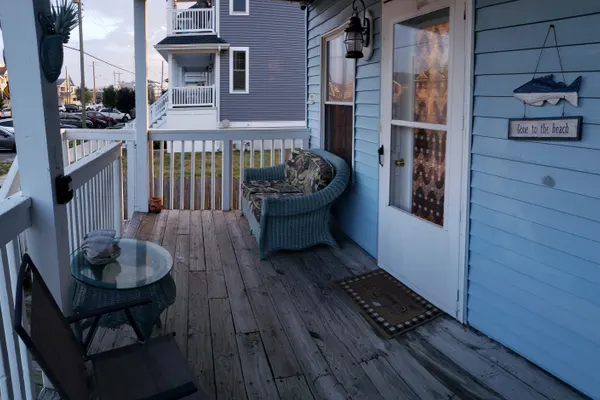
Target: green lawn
x: 208, y: 163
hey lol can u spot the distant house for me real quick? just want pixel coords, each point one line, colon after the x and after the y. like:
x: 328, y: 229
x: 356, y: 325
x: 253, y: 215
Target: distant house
x: 3, y: 85
x: 226, y: 62
x: 67, y: 91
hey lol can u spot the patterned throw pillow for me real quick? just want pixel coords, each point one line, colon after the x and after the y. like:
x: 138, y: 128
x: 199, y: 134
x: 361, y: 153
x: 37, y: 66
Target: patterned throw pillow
x: 308, y: 172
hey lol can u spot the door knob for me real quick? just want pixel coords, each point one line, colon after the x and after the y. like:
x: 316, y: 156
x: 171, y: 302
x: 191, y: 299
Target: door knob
x: 399, y: 163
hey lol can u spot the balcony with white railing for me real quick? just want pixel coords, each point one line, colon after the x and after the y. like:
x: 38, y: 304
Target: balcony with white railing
x: 196, y: 20
x: 193, y: 96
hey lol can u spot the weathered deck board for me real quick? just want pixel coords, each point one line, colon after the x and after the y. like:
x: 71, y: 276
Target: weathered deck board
x: 200, y: 354
x: 517, y: 366
x: 229, y: 380
x: 257, y: 374
x: 304, y: 339
x: 387, y: 381
x: 294, y: 388
x: 243, y: 317
x: 197, y: 260
x: 339, y: 357
x: 177, y: 316
x: 216, y: 276
x: 480, y: 367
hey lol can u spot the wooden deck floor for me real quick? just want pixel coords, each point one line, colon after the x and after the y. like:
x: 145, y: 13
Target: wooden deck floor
x: 275, y: 329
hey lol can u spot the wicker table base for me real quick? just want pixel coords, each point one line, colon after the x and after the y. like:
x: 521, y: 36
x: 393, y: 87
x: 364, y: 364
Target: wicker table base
x: 162, y: 293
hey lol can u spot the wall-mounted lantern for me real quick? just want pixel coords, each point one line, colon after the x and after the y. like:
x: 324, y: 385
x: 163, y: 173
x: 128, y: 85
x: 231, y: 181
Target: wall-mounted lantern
x: 359, y: 34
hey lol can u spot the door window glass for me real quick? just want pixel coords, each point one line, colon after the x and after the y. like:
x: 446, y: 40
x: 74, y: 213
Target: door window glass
x: 420, y: 94
x: 420, y: 69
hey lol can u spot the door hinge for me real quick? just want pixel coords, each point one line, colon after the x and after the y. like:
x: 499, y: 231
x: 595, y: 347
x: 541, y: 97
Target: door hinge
x: 380, y: 153
x: 457, y: 295
x: 465, y: 12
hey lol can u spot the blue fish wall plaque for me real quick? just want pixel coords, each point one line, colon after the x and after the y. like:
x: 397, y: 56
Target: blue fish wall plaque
x: 545, y: 88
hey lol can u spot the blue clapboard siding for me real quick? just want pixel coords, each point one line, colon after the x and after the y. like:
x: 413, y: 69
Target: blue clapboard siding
x: 534, y: 264
x: 357, y: 208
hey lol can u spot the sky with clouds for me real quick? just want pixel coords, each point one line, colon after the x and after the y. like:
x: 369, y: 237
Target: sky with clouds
x: 108, y: 34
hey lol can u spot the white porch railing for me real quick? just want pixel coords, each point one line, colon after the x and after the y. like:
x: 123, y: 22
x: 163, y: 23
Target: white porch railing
x: 97, y: 193
x: 202, y: 169
x: 15, y: 361
x: 194, y: 20
x: 193, y: 96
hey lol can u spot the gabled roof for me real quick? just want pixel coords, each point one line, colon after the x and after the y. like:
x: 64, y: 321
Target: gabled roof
x: 190, y: 40
x: 61, y: 80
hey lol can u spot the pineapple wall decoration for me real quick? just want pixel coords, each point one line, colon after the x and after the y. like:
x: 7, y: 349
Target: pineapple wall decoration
x: 57, y: 29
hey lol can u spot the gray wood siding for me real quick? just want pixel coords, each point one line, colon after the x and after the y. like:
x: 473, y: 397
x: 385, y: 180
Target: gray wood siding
x: 275, y: 33
x: 358, y: 206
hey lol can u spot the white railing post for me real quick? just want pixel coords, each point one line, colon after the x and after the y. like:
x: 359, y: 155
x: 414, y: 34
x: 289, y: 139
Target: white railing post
x: 34, y: 104
x: 142, y: 196
x: 227, y: 176
x: 131, y: 185
x: 117, y: 195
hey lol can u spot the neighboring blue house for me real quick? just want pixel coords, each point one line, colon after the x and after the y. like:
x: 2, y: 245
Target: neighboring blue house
x: 231, y: 66
x: 502, y: 234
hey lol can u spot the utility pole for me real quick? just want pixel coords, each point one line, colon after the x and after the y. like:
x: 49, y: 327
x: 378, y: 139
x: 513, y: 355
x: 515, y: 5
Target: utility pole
x: 94, y: 74
x: 67, y: 84
x: 81, y: 63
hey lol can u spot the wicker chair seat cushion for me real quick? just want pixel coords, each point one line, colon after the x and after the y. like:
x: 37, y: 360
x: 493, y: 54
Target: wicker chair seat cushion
x: 256, y: 200
x: 308, y: 171
x: 275, y: 186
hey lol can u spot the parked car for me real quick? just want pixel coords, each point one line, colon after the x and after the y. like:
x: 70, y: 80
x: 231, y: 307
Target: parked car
x: 8, y: 124
x: 116, y: 114
x: 98, y: 115
x: 62, y: 108
x: 96, y: 123
x: 66, y: 125
x: 71, y: 108
x: 74, y: 119
x: 7, y: 140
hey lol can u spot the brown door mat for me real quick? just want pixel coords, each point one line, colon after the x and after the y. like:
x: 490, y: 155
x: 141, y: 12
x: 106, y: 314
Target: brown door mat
x: 390, y: 306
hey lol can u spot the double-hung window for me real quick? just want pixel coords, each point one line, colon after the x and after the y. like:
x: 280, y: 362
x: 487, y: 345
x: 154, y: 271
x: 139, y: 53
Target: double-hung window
x: 239, y: 7
x: 239, y: 70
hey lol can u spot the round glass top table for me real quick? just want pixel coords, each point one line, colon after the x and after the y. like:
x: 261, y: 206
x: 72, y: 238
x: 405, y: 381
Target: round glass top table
x: 140, y: 264
x: 141, y: 272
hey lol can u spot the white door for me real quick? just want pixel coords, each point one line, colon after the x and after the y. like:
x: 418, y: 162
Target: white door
x: 422, y: 108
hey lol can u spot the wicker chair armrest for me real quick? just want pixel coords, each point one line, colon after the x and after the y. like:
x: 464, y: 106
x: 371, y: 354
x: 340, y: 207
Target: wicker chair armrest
x: 264, y: 174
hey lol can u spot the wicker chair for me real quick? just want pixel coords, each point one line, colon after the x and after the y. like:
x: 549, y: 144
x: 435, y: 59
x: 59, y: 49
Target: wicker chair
x: 299, y: 222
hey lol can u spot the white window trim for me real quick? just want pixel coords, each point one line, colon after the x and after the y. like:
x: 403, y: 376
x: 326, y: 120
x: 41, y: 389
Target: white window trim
x: 231, y: 12
x: 231, y: 51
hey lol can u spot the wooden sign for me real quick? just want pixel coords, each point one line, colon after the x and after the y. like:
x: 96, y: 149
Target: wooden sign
x: 561, y: 128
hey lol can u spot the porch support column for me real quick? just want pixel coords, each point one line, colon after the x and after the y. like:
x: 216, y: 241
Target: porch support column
x: 171, y: 61
x: 35, y: 111
x: 140, y: 33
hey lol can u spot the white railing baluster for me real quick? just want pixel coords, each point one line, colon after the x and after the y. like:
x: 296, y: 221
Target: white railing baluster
x: 193, y: 176
x: 226, y: 175
x: 11, y: 339
x: 203, y: 178
x: 161, y: 176
x: 212, y: 175
x: 117, y: 195
x: 77, y: 220
x: 172, y: 175
x: 282, y: 152
x: 272, y: 153
x: 252, y: 154
x: 182, y: 177
x: 262, y: 153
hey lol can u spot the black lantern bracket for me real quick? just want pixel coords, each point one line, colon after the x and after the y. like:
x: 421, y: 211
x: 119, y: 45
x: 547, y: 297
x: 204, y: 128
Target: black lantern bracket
x: 359, y: 28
